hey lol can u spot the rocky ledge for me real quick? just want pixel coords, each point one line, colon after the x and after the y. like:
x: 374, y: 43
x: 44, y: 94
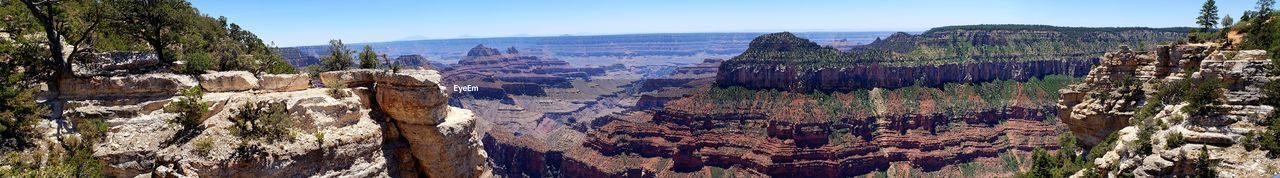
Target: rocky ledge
x: 1112, y: 94
x: 384, y: 124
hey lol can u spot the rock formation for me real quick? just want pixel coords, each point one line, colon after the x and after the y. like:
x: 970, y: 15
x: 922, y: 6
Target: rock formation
x: 1103, y: 105
x: 442, y: 138
x: 389, y: 124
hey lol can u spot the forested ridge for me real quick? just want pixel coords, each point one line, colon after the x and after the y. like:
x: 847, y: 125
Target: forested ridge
x: 953, y: 44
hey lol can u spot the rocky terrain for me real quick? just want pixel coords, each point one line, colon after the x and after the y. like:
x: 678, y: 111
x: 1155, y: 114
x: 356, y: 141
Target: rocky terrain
x: 1126, y: 97
x: 382, y: 124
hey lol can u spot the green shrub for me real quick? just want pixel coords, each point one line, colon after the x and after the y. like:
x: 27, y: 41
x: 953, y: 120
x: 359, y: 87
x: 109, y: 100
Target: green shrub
x: 267, y: 121
x: 319, y: 137
x: 1042, y: 164
x: 1174, y: 140
x: 1271, y: 92
x: 273, y: 63
x: 1248, y: 141
x: 1203, y: 93
x: 336, y: 89
x: 203, y: 146
x: 1204, y: 166
x: 1267, y: 139
x: 19, y: 114
x: 189, y: 108
x: 1144, y: 141
x: 197, y: 63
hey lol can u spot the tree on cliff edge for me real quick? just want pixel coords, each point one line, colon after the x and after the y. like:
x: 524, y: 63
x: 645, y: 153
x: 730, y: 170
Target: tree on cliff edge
x: 1227, y: 21
x: 1264, y: 8
x: 368, y: 58
x: 339, y: 57
x: 67, y: 34
x: 1208, y: 16
x: 155, y: 21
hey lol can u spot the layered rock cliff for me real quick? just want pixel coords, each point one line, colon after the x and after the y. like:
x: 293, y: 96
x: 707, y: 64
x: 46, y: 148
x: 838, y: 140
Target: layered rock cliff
x: 1156, y: 135
x: 959, y: 54
x: 384, y: 124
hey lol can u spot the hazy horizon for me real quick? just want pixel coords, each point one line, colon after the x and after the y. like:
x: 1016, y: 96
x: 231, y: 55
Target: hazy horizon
x: 304, y: 23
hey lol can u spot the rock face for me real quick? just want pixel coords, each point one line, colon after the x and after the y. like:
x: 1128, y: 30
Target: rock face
x: 117, y: 62
x: 442, y: 139
x: 1107, y: 97
x: 228, y: 81
x: 885, y: 76
x: 387, y: 125
x: 124, y: 86
x: 285, y: 82
x: 783, y: 61
x: 1099, y: 106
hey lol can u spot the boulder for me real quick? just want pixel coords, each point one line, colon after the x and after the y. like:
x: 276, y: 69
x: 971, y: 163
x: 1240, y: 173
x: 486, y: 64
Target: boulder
x: 349, y: 77
x: 285, y: 82
x: 412, y: 97
x: 158, y: 84
x: 442, y: 138
x: 228, y: 81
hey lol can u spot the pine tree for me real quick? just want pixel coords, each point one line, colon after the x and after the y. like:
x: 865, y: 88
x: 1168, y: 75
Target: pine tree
x: 1208, y: 16
x: 339, y: 57
x: 368, y: 58
x: 1205, y: 167
x: 1227, y: 21
x: 1042, y: 164
x: 157, y: 22
x: 1264, y: 8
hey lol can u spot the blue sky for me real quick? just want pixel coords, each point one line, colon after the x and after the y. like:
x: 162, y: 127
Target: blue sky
x: 312, y: 22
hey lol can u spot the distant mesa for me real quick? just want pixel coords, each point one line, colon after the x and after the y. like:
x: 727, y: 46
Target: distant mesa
x: 781, y: 42
x: 482, y: 51
x: 416, y: 61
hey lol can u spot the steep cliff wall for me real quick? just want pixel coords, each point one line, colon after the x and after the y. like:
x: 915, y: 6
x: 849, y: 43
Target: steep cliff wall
x: 883, y: 76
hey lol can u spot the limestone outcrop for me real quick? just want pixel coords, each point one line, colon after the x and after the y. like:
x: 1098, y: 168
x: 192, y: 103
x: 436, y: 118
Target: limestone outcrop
x: 157, y: 84
x: 228, y: 81
x: 442, y: 139
x: 1100, y: 106
x: 284, y: 82
x: 383, y: 125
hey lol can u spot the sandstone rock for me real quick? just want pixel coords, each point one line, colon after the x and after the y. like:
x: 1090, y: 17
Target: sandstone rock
x: 441, y: 141
x: 116, y: 62
x: 349, y: 77
x: 1237, y: 112
x: 228, y: 81
x: 146, y: 146
x: 285, y: 82
x: 1251, y: 55
x: 412, y: 97
x: 125, y: 86
x: 450, y: 149
x: 442, y: 138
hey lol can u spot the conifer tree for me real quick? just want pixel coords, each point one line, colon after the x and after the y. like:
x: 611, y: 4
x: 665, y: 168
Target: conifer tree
x: 1208, y: 16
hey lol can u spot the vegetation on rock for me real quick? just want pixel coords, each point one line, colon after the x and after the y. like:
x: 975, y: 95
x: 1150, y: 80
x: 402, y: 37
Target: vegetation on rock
x: 339, y: 57
x: 189, y: 107
x: 368, y: 58
x: 267, y: 121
